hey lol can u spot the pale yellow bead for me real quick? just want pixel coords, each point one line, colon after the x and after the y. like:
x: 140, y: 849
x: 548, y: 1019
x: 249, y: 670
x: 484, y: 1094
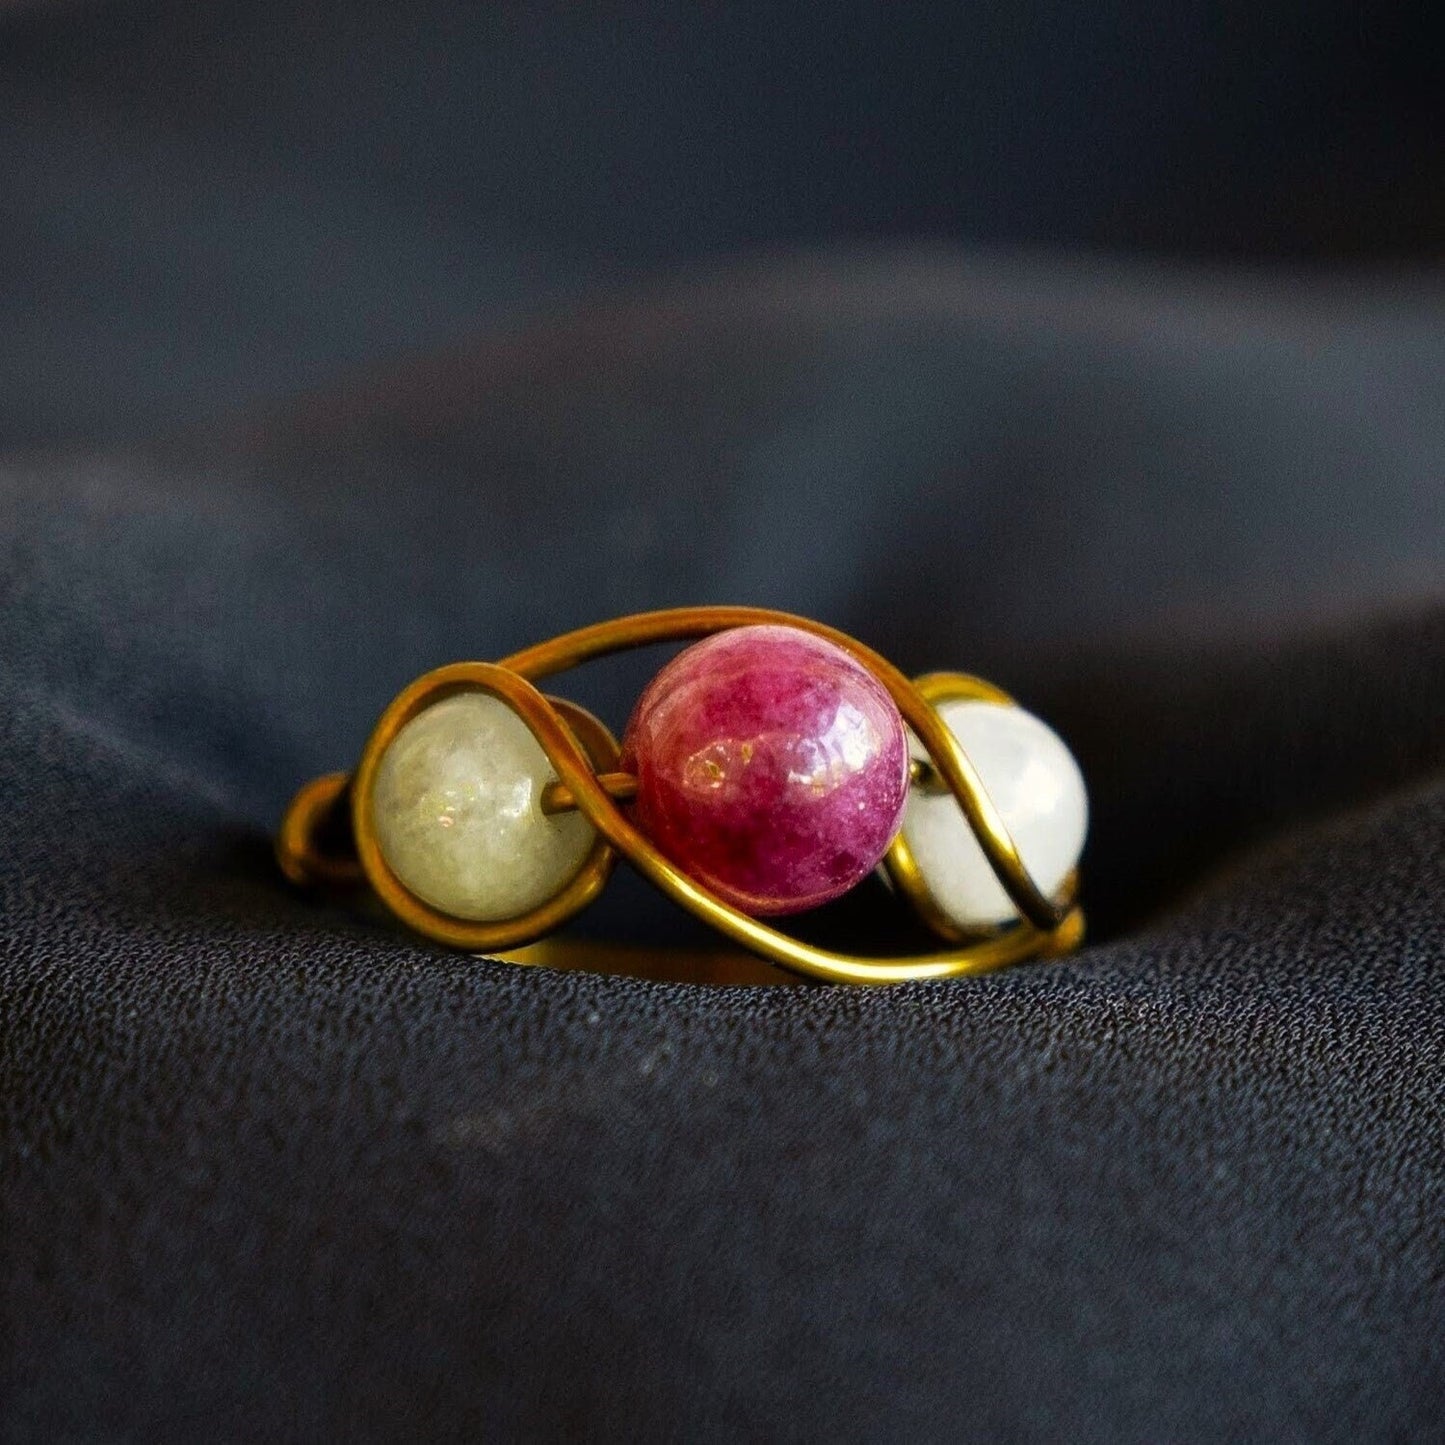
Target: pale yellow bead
x: 456, y: 806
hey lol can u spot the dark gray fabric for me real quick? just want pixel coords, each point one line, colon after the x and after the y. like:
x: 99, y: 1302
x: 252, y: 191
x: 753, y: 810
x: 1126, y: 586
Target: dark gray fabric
x: 204, y: 204
x: 272, y: 1169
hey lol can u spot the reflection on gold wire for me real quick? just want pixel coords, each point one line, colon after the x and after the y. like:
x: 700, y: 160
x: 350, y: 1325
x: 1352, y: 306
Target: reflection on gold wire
x: 662, y: 965
x: 585, y: 757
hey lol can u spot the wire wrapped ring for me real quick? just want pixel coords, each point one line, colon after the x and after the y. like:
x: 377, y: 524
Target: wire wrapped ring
x: 329, y: 835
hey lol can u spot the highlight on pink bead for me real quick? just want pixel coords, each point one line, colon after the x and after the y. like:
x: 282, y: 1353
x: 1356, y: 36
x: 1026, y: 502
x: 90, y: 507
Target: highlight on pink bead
x: 771, y: 767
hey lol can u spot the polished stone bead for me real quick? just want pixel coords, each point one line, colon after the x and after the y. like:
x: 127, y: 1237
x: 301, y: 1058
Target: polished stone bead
x: 1038, y: 789
x: 771, y: 767
x: 456, y: 810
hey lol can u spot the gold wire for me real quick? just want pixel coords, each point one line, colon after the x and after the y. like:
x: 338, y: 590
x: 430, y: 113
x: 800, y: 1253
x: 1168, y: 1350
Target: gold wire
x: 557, y: 797
x: 584, y: 756
x: 899, y: 863
x: 298, y: 850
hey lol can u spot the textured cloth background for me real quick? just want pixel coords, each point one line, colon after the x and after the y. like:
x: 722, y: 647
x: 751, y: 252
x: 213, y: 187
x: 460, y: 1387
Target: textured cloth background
x: 275, y: 1170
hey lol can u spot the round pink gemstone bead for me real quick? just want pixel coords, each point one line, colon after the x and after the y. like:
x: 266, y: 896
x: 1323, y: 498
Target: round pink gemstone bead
x: 770, y: 766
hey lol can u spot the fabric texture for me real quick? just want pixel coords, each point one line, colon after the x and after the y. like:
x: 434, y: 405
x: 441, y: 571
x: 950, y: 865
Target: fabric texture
x: 273, y: 1169
x: 806, y: 307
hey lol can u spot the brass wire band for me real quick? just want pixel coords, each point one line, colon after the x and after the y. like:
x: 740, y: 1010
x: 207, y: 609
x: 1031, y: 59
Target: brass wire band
x: 313, y: 812
x: 899, y: 862
x: 557, y: 797
x: 578, y: 773
x: 947, y: 756
x: 584, y: 755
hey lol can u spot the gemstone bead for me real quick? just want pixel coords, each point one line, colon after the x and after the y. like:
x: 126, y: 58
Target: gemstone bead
x: 1039, y: 791
x: 456, y: 808
x: 772, y: 767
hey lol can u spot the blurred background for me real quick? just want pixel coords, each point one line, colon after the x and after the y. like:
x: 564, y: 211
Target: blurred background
x: 201, y: 205
x: 1097, y: 346
x: 1098, y: 349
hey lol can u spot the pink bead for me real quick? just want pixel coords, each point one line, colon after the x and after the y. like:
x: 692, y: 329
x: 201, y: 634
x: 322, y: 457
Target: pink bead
x: 771, y: 767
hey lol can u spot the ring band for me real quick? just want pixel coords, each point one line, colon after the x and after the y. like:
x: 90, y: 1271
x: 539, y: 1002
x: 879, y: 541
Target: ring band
x: 330, y: 836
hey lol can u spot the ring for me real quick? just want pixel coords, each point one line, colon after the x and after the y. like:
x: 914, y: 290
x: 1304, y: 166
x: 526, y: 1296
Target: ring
x: 766, y: 769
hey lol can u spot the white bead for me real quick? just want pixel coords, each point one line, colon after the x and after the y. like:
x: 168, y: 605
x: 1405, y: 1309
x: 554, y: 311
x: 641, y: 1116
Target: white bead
x: 1038, y: 790
x: 456, y: 807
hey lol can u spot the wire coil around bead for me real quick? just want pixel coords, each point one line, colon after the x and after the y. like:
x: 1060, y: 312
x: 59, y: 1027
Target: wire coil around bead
x: 584, y: 755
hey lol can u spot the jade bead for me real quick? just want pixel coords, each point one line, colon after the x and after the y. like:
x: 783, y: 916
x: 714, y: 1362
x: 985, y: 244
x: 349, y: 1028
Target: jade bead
x: 456, y: 808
